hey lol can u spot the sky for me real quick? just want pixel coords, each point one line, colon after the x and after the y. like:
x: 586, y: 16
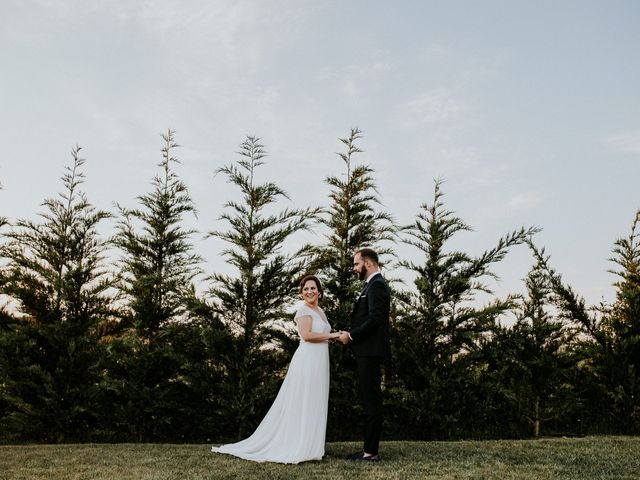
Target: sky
x: 529, y: 111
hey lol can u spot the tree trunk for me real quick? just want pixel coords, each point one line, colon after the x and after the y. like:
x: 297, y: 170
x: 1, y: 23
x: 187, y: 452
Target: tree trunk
x: 536, y: 419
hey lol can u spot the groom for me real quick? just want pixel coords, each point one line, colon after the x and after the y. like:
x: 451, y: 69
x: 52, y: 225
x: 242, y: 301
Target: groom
x: 369, y: 339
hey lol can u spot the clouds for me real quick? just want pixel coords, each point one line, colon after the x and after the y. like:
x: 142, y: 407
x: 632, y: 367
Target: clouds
x: 473, y: 95
x: 623, y: 142
x: 511, y: 206
x: 431, y: 107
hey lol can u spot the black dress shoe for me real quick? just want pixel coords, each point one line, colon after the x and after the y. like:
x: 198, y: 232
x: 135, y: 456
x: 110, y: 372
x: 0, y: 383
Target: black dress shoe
x: 369, y: 458
x: 354, y: 456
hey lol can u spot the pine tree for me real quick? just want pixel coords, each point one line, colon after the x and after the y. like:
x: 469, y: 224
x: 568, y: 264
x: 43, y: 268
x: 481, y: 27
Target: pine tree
x: 611, y: 338
x: 159, y: 263
x: 351, y: 221
x: 253, y: 302
x: 3, y: 220
x: 622, y: 323
x: 531, y: 361
x: 150, y: 388
x: 57, y: 275
x: 439, y: 324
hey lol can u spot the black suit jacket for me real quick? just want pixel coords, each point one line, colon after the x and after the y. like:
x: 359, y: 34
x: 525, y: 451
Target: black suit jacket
x: 370, y: 320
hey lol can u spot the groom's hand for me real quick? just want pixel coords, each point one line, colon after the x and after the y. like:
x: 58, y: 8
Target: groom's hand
x: 344, y: 338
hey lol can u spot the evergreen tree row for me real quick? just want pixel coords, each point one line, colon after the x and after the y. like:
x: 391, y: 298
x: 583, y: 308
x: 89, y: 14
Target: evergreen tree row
x: 135, y: 349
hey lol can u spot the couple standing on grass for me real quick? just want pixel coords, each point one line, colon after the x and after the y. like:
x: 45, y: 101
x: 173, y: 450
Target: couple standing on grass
x: 294, y: 428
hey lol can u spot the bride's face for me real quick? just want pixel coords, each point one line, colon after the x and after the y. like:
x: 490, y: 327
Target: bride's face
x: 310, y: 292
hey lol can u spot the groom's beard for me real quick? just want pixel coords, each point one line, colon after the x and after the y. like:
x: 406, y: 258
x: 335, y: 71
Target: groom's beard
x: 362, y: 274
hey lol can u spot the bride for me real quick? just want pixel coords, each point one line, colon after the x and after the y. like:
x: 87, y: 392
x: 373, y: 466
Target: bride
x: 294, y: 428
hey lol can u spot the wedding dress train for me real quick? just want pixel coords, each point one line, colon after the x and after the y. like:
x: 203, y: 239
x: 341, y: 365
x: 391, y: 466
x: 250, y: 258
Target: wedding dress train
x: 294, y: 428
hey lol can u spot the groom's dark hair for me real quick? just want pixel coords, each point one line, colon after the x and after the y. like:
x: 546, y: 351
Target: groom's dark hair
x: 369, y: 253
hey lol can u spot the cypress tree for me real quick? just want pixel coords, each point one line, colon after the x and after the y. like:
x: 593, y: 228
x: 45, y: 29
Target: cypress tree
x: 530, y: 364
x: 610, y: 339
x: 3, y: 220
x: 439, y: 324
x: 150, y: 389
x: 253, y: 301
x: 52, y: 343
x: 622, y: 322
x: 352, y: 220
x: 158, y: 264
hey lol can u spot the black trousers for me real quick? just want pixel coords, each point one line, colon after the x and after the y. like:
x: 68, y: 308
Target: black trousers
x: 369, y: 377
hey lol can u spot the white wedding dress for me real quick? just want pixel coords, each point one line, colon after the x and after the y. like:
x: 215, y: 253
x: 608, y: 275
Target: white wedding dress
x: 294, y: 428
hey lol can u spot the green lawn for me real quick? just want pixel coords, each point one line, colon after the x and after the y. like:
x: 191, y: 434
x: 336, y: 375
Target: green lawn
x: 588, y: 458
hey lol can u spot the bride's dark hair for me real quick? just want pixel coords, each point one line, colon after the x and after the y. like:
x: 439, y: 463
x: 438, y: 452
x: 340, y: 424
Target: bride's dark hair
x: 316, y: 280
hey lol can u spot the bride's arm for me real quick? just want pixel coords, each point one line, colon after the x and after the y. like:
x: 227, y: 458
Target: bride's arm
x: 304, y: 328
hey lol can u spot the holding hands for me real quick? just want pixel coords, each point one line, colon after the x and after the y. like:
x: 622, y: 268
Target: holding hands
x: 341, y: 336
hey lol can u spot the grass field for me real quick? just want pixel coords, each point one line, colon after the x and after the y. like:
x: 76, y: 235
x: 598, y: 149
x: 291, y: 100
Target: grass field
x: 584, y: 458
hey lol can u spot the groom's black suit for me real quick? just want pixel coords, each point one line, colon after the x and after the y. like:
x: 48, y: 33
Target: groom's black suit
x: 370, y: 342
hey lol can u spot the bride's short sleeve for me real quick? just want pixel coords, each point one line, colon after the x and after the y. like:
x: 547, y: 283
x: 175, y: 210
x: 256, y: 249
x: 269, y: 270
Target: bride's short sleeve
x: 302, y: 312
